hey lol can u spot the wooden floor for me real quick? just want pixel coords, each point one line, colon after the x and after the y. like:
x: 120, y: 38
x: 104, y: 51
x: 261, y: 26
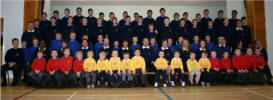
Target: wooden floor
x: 251, y: 92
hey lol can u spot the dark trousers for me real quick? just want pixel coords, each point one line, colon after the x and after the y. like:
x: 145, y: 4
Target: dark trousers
x: 139, y: 77
x: 103, y: 75
x: 66, y: 80
x: 115, y: 76
x: 78, y: 80
x: 267, y: 73
x: 36, y: 79
x: 90, y: 77
x: 216, y: 76
x: 241, y: 78
x: 258, y: 76
x: 163, y: 73
x: 16, y: 73
x: 26, y: 69
x: 55, y: 77
x: 226, y: 77
x: 181, y: 76
x: 205, y: 76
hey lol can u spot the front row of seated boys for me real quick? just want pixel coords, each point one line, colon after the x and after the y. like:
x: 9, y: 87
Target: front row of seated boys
x: 125, y: 72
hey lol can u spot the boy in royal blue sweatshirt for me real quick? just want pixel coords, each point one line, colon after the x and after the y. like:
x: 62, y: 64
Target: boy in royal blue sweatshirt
x: 57, y: 43
x: 135, y: 44
x: 27, y: 58
x: 99, y: 44
x: 73, y: 45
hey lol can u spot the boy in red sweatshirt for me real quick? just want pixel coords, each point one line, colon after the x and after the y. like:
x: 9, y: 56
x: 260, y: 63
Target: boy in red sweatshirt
x: 53, y: 66
x: 78, y: 69
x: 66, y: 62
x: 38, y: 68
x: 239, y: 66
x: 225, y: 68
x: 215, y: 67
x: 258, y: 67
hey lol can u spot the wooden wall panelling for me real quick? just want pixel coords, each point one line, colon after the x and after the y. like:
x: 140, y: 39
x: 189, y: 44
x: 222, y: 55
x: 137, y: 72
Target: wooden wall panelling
x: 32, y: 10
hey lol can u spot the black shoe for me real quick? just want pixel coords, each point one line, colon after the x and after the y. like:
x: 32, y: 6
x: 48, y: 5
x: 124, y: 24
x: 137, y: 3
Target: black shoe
x: 110, y: 86
x: 4, y: 83
x: 13, y: 84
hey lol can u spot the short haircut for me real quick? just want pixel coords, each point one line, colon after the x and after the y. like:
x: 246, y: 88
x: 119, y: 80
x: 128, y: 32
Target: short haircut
x: 162, y: 9
x: 149, y: 10
x: 14, y: 39
x: 220, y: 11
x: 185, y: 13
x: 66, y: 9
x: 90, y: 9
x: 79, y: 8
x: 234, y: 11
x: 55, y: 12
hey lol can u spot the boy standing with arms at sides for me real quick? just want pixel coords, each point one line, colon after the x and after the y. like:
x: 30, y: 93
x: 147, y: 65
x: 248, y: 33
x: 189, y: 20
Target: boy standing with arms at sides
x: 127, y: 68
x: 90, y: 68
x: 138, y: 63
x: 193, y: 68
x: 78, y: 69
x: 205, y: 68
x: 135, y: 44
x: 27, y: 58
x: 37, y: 67
x: 103, y: 68
x: 161, y: 65
x: 99, y: 44
x: 177, y: 67
x: 114, y: 69
x: 73, y: 44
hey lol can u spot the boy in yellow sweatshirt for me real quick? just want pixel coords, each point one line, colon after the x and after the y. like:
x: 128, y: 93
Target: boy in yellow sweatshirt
x: 177, y: 68
x: 139, y: 69
x: 205, y: 66
x: 193, y: 68
x: 89, y: 67
x: 126, y: 68
x: 114, y: 69
x: 103, y: 68
x: 161, y: 65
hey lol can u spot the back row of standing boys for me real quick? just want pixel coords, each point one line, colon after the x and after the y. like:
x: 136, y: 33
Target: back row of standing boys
x: 136, y: 60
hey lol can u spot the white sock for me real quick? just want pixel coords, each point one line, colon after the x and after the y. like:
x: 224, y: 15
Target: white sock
x: 164, y: 85
x: 156, y: 84
x: 183, y: 84
x: 172, y: 83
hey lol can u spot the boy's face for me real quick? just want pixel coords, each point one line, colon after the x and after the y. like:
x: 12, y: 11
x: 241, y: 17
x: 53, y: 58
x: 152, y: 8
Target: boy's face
x: 36, y: 23
x: 79, y: 11
x: 198, y: 17
x: 194, y: 23
x: 100, y: 38
x: 101, y: 16
x: 72, y: 36
x: 150, y: 14
x: 84, y: 44
x: 170, y: 41
x: 30, y: 26
x: 151, y: 27
x: 164, y: 44
x: 52, y: 20
x: 67, y: 52
x: 99, y: 22
x: 137, y: 52
x: 116, y: 43
x: 64, y: 44
x: 39, y: 55
x: 79, y: 56
x: 220, y: 14
x: 213, y: 54
x: 106, y: 42
x: 126, y: 56
x: 90, y: 12
x: 128, y: 20
x: 54, y: 54
x: 115, y: 54
x: 84, y: 21
x: 66, y: 12
x: 135, y: 39
x: 162, y: 12
x: 139, y: 20
x: 176, y: 16
x: 161, y: 54
x: 125, y: 15
x: 35, y: 42
x: 180, y: 39
x: 206, y: 13
x: 58, y: 36
x: 257, y: 52
x: 249, y: 52
x: 15, y: 44
x: 56, y: 15
x: 166, y: 21
x: 90, y: 54
x: 207, y: 38
x: 182, y: 22
x: 136, y: 16
x: 204, y: 55
x: 111, y: 16
x: 210, y: 23
x: 102, y: 56
x: 115, y: 21
x: 70, y: 20
x: 196, y: 38
x: 42, y: 44
x: 152, y: 41
x: 237, y: 52
x: 44, y: 16
x: 125, y: 44
x: 145, y: 42
x: 203, y: 44
x: 185, y: 16
x: 225, y: 55
x: 176, y: 55
x: 24, y: 44
x: 192, y: 56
